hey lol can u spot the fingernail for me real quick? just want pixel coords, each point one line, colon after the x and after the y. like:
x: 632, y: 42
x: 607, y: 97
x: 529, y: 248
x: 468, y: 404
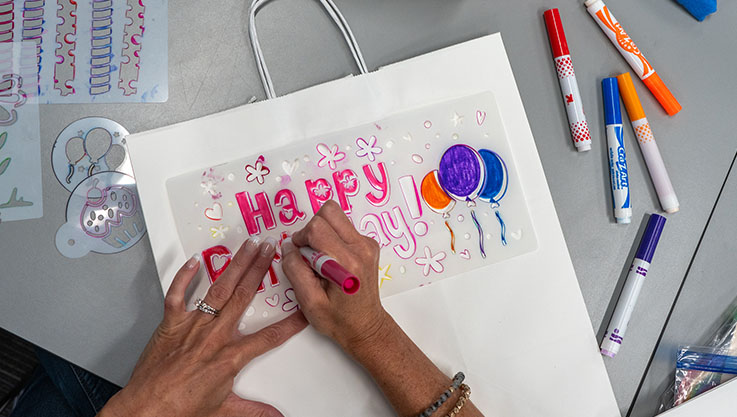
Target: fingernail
x: 252, y: 243
x: 287, y: 246
x: 193, y: 261
x: 269, y: 246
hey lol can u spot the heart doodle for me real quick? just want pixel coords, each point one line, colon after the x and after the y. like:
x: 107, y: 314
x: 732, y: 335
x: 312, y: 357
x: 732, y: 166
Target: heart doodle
x: 219, y: 262
x: 465, y: 254
x: 273, y: 301
x: 249, y: 311
x: 480, y: 117
x: 290, y: 304
x: 516, y: 235
x: 290, y: 166
x: 214, y: 213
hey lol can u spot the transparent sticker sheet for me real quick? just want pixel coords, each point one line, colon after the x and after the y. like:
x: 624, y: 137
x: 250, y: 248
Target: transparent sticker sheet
x: 436, y: 187
x: 21, y: 195
x: 100, y: 51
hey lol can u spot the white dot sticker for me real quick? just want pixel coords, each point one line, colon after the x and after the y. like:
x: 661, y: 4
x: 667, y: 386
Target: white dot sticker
x: 467, y: 236
x: 417, y: 159
x: 455, y: 136
x: 264, y: 314
x: 278, y: 179
x: 389, y: 144
x: 427, y: 146
x: 427, y: 124
x: 460, y: 218
x: 231, y: 177
x: 402, y: 269
x: 420, y: 228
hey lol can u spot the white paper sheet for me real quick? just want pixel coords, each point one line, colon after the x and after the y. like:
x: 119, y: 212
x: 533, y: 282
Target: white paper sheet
x: 21, y: 195
x: 519, y: 328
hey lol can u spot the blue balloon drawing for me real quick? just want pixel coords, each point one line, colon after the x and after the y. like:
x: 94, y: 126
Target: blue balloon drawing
x: 495, y: 185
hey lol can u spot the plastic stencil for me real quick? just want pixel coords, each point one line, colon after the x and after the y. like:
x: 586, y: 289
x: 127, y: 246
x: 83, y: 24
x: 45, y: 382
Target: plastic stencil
x: 21, y: 195
x: 103, y: 216
x: 436, y: 187
x: 88, y: 146
x: 101, y: 51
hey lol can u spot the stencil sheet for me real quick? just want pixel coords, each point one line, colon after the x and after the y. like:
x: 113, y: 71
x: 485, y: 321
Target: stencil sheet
x: 101, y: 51
x: 21, y: 195
x: 437, y: 188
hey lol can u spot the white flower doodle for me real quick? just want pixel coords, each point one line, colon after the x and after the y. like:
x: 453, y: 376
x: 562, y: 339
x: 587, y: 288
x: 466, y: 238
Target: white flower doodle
x: 431, y: 261
x: 257, y: 171
x: 368, y: 148
x: 349, y: 181
x: 330, y: 156
x: 321, y: 190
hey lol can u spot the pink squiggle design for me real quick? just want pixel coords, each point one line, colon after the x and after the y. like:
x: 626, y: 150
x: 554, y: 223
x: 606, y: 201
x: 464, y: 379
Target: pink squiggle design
x: 65, y: 68
x: 6, y: 21
x: 130, y: 65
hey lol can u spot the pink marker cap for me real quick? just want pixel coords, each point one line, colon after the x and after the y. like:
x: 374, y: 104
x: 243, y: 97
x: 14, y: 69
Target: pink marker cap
x: 336, y: 273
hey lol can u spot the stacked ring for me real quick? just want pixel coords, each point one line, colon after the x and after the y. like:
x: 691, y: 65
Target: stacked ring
x: 206, y: 308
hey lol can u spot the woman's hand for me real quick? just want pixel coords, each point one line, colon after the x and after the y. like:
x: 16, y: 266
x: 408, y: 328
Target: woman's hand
x: 188, y: 366
x: 348, y: 319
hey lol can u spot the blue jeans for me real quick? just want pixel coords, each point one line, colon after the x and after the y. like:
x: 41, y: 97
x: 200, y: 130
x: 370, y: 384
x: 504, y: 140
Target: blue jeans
x: 61, y: 389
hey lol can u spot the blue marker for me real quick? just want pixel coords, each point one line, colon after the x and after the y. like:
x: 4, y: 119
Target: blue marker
x: 617, y: 156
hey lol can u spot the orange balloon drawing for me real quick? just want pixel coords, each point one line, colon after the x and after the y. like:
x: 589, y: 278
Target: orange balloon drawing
x: 435, y: 197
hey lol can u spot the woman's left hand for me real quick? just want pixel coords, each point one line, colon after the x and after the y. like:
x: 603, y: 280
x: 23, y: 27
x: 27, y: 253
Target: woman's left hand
x: 188, y: 366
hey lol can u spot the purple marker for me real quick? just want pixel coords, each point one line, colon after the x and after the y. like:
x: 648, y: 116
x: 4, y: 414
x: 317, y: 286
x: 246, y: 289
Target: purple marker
x: 636, y: 277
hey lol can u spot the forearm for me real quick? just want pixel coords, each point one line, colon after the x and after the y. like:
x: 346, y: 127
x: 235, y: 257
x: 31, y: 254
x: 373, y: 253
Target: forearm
x: 409, y: 380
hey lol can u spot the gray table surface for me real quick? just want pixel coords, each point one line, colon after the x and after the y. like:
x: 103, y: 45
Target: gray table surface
x: 100, y: 310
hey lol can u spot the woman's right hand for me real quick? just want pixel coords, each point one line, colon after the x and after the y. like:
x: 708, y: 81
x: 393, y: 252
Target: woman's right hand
x: 348, y: 319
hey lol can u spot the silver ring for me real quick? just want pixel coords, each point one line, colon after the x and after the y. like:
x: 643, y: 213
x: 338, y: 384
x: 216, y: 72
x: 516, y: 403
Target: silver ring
x: 206, y: 308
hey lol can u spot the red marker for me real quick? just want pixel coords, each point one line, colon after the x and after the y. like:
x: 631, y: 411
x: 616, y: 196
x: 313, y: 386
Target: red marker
x: 331, y: 270
x: 567, y: 78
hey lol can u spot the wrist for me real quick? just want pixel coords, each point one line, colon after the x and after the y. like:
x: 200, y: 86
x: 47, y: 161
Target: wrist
x: 121, y: 405
x: 372, y: 336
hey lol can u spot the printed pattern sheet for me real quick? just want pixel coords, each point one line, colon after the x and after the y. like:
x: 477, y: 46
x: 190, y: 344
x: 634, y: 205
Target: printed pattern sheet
x: 436, y: 187
x: 20, y: 138
x: 100, y: 51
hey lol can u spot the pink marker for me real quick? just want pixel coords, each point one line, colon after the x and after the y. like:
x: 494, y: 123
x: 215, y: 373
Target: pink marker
x: 567, y: 78
x: 330, y: 269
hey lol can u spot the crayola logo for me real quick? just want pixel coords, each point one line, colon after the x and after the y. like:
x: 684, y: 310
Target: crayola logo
x: 621, y: 160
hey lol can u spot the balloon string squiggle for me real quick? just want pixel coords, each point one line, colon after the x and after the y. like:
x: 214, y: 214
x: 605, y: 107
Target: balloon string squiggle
x: 504, y: 228
x: 481, y: 233
x: 452, y: 237
x: 71, y: 173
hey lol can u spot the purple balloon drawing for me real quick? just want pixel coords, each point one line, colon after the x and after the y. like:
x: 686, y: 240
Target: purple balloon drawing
x: 462, y: 174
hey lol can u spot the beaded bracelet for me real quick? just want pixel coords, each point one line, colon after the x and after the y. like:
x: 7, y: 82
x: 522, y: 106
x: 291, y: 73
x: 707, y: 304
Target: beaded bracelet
x: 465, y: 395
x: 457, y: 380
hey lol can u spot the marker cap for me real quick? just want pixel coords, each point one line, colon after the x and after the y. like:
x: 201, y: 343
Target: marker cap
x: 612, y: 110
x: 630, y: 97
x: 662, y: 94
x: 650, y: 239
x: 555, y: 33
x: 347, y: 281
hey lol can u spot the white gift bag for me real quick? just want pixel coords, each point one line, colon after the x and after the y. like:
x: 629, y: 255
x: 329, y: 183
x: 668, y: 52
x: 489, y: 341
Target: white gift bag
x: 514, y: 321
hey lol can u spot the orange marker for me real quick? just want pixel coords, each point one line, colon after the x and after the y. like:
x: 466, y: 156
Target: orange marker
x: 624, y: 44
x: 650, y: 151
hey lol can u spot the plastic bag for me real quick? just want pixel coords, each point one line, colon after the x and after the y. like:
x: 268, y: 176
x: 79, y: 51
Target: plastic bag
x: 719, y: 355
x: 699, y: 369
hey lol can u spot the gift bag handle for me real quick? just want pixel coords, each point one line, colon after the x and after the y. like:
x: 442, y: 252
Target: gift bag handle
x: 334, y: 13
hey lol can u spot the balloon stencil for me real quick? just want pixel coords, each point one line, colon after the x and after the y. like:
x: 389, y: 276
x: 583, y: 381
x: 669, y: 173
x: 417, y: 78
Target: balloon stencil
x: 89, y: 146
